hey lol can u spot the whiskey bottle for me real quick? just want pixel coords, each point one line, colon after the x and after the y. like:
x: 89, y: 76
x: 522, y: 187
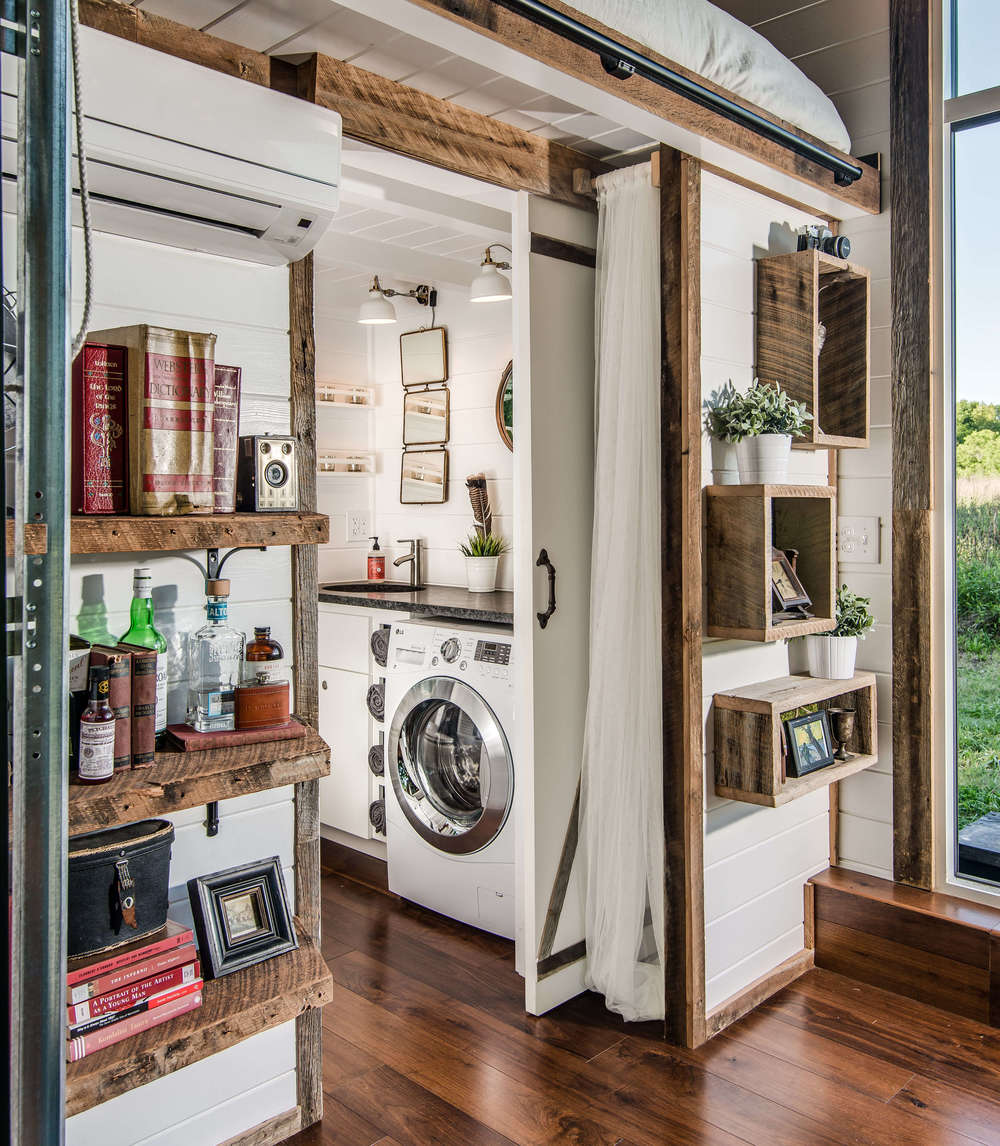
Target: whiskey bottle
x: 264, y: 658
x: 215, y: 659
x: 97, y: 732
x: 143, y: 632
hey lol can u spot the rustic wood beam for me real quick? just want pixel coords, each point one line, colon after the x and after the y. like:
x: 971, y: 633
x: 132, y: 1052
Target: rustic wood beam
x: 375, y: 110
x: 523, y: 36
x: 910, y: 87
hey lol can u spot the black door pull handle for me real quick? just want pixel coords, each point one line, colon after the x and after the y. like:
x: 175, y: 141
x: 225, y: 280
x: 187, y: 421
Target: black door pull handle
x: 543, y: 559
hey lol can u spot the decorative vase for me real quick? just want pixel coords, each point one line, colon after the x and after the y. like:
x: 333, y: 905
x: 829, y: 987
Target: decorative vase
x: 725, y: 470
x: 763, y: 460
x: 481, y: 573
x: 831, y: 658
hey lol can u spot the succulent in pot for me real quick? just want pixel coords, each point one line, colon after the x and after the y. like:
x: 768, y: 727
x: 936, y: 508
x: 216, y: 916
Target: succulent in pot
x: 761, y: 422
x: 482, y: 552
x: 833, y: 655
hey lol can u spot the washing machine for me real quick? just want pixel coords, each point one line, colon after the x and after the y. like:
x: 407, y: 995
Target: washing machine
x: 449, y: 815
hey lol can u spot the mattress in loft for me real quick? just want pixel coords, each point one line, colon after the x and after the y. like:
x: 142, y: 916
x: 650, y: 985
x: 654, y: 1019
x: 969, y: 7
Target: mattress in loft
x: 717, y: 46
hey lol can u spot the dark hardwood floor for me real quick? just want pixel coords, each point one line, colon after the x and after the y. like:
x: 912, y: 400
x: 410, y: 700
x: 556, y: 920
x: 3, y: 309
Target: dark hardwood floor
x: 426, y: 1044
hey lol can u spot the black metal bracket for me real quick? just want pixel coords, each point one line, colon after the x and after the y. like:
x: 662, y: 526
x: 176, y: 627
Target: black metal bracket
x: 213, y: 564
x: 543, y: 559
x: 212, y: 818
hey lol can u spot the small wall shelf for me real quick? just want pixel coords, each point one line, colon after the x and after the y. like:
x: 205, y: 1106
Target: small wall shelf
x: 795, y: 292
x: 203, y: 531
x: 747, y: 734
x: 343, y: 394
x: 743, y: 522
x: 345, y: 463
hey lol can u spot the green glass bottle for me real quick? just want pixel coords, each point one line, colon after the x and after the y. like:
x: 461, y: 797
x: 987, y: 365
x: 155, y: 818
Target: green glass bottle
x: 143, y: 632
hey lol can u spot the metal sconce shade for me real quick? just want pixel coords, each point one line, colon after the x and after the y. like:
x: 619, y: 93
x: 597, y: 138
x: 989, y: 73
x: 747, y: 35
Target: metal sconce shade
x: 489, y: 285
x: 376, y: 310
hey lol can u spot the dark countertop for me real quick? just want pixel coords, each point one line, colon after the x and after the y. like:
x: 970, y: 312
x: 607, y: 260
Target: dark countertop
x: 434, y: 600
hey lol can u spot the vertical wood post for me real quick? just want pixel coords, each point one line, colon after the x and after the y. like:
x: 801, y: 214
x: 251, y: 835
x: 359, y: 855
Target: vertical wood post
x: 680, y: 547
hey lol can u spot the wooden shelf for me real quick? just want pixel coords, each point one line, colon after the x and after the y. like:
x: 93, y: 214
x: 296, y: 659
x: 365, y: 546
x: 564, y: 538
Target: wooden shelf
x: 794, y: 293
x: 235, y: 1007
x: 747, y: 736
x: 743, y: 522
x: 206, y: 531
x: 34, y: 538
x: 186, y: 779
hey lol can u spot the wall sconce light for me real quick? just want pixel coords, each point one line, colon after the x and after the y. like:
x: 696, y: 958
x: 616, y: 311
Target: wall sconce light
x: 490, y: 285
x: 377, y: 310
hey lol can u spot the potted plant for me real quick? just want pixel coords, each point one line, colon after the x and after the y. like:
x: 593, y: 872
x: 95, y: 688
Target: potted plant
x: 482, y: 552
x: 724, y: 467
x: 761, y: 422
x: 832, y: 655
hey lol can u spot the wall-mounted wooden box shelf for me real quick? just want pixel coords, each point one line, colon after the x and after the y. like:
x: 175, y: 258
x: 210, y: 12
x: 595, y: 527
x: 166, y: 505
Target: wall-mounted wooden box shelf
x: 747, y: 735
x: 795, y: 292
x: 743, y: 522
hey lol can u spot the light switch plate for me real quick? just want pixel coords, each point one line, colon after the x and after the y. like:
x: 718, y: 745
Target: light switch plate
x: 359, y: 525
x: 858, y: 540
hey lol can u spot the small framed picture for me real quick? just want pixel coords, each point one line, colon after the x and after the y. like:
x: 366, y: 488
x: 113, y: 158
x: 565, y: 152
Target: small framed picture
x: 241, y: 916
x: 785, y: 584
x: 810, y: 745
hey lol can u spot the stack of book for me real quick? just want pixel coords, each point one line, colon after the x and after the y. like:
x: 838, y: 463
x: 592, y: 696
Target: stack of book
x: 148, y: 982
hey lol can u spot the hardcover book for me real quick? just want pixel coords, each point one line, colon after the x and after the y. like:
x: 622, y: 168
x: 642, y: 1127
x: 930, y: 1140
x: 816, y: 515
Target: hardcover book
x: 83, y: 1045
x: 137, y: 972
x: 119, y: 664
x: 114, y: 1002
x: 143, y: 705
x: 171, y: 398
x: 227, y: 433
x: 149, y: 1003
x: 99, y: 430
x: 88, y: 968
x: 188, y: 739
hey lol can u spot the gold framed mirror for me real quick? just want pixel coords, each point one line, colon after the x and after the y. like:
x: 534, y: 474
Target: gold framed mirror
x: 423, y: 477
x: 505, y: 406
x: 423, y: 356
x: 426, y: 417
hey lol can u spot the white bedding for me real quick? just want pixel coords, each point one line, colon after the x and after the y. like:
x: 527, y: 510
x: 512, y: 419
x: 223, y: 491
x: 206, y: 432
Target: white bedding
x: 719, y: 47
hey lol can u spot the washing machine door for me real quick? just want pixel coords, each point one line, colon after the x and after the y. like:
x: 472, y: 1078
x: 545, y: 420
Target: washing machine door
x: 450, y: 765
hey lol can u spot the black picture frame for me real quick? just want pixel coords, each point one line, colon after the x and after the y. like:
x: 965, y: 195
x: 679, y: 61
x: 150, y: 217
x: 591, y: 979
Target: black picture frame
x: 787, y: 589
x: 812, y: 751
x: 241, y: 916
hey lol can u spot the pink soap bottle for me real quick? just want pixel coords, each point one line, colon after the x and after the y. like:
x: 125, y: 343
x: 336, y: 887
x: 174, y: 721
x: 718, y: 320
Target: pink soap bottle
x: 376, y: 562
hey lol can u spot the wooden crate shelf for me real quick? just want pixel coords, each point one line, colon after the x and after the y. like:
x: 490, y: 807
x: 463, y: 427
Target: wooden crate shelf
x: 743, y: 522
x: 794, y: 293
x: 747, y: 736
x: 186, y: 779
x: 207, y: 531
x: 235, y: 1007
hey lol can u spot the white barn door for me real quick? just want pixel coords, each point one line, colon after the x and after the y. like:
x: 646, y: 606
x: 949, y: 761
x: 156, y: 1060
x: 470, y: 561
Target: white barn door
x: 554, y: 279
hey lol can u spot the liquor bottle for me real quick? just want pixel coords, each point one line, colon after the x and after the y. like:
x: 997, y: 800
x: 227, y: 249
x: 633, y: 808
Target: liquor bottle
x: 97, y: 732
x: 142, y: 632
x: 264, y: 658
x: 215, y: 661
x: 262, y: 701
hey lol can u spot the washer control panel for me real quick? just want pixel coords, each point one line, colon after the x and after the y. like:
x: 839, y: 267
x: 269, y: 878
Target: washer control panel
x: 462, y: 652
x: 493, y: 652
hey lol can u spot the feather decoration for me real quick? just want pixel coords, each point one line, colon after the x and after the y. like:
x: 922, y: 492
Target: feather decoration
x: 482, y: 514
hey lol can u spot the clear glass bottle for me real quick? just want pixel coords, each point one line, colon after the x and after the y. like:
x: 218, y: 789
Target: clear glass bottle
x: 215, y: 661
x: 143, y: 632
x: 96, y: 763
x: 264, y: 658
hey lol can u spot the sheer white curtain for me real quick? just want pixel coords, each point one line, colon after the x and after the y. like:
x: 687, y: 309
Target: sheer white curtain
x: 622, y: 788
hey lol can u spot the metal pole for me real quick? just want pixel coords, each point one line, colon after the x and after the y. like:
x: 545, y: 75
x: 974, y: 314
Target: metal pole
x: 40, y: 711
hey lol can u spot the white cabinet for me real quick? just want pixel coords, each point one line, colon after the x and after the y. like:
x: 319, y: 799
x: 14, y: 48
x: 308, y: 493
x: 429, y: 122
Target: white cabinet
x: 344, y: 724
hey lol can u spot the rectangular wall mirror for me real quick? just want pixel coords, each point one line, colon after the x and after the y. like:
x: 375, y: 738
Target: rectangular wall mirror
x: 423, y: 478
x: 423, y: 356
x: 426, y: 417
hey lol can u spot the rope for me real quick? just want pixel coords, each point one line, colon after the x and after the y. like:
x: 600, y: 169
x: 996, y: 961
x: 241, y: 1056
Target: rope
x: 81, y: 158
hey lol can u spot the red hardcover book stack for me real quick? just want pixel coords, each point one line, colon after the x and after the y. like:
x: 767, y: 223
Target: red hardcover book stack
x: 100, y: 434
x: 140, y: 986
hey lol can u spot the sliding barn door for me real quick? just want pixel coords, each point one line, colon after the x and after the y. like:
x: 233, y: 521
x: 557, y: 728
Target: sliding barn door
x: 554, y: 505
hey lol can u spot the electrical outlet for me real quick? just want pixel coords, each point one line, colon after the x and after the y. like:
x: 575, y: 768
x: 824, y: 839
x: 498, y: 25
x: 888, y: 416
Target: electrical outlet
x: 858, y: 540
x: 359, y: 525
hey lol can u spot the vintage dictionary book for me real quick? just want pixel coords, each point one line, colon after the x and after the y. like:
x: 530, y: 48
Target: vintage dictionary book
x: 114, y: 1002
x: 86, y: 970
x: 119, y: 663
x: 84, y: 1045
x: 143, y: 705
x: 171, y: 397
x: 148, y: 1003
x: 99, y: 429
x: 227, y: 434
x: 188, y: 739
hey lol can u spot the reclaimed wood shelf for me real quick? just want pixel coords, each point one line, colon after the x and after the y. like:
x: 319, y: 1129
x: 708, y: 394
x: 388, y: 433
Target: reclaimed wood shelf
x: 198, y: 531
x: 747, y: 736
x: 34, y: 538
x: 186, y: 779
x: 743, y: 522
x: 795, y: 293
x: 234, y: 1008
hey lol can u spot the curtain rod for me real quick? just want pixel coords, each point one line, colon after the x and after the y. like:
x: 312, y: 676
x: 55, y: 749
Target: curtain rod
x: 622, y: 62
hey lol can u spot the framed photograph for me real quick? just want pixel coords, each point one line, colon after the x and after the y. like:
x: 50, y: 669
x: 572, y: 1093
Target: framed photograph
x: 426, y: 417
x: 785, y: 585
x: 241, y: 916
x: 810, y: 745
x: 423, y: 356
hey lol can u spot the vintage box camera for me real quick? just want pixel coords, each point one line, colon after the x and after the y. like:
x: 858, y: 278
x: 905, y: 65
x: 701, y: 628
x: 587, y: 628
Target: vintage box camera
x: 266, y: 474
x: 826, y: 241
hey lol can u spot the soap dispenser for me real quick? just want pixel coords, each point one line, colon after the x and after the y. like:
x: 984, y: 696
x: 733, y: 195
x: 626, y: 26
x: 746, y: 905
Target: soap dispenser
x: 376, y: 562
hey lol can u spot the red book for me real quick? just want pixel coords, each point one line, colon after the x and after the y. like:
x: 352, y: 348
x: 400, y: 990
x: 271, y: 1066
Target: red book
x: 133, y: 973
x: 119, y: 664
x: 188, y: 739
x: 227, y: 433
x: 143, y: 705
x: 85, y: 968
x: 100, y: 429
x: 134, y: 993
x: 84, y: 1045
x: 150, y: 1003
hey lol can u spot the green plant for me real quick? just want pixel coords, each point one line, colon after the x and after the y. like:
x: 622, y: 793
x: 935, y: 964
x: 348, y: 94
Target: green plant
x: 854, y: 617
x: 484, y: 545
x: 763, y: 409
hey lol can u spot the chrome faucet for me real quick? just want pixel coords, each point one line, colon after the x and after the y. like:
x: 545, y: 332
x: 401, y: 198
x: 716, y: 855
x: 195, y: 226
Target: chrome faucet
x: 413, y: 557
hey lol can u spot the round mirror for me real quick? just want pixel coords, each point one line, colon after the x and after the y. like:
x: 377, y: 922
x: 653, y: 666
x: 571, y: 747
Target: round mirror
x: 505, y: 406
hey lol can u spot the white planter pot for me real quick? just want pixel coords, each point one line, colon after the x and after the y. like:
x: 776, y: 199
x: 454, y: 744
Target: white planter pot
x: 832, y: 658
x: 725, y: 469
x: 481, y: 573
x: 763, y: 460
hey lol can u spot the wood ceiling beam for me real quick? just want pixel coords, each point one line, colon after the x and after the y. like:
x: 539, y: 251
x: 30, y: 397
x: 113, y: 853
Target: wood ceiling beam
x: 382, y: 112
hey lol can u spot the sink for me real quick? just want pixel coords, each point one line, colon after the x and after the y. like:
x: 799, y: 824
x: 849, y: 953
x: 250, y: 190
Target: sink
x: 370, y: 587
